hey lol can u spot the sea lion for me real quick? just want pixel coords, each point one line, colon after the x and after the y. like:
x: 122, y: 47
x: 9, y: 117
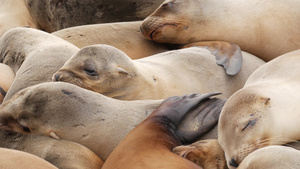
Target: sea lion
x: 18, y: 159
x: 207, y: 154
x: 125, y: 36
x: 61, y: 153
x: 88, y: 118
x: 272, y: 157
x: 7, y: 77
x: 150, y: 144
x: 109, y: 71
x: 56, y: 14
x: 14, y: 14
x: 264, y: 29
x: 259, y: 114
x: 43, y: 53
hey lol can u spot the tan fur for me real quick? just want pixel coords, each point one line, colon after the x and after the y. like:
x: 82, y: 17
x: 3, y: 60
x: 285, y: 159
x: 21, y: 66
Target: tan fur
x: 18, y: 159
x: 35, y: 56
x: 269, y: 101
x: 65, y: 111
x: 7, y: 76
x: 207, y: 154
x: 272, y: 157
x: 14, y: 14
x: 29, y: 50
x: 159, y: 76
x: 125, y: 36
x: 61, y: 153
x: 266, y: 29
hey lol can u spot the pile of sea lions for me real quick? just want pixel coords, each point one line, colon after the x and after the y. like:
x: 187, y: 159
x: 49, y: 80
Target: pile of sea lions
x: 200, y: 84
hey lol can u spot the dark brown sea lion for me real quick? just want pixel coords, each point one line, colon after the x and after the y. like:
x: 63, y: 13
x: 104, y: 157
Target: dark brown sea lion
x: 150, y: 144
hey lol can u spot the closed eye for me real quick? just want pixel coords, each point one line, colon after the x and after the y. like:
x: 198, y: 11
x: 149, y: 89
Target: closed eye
x: 90, y: 72
x: 250, y: 123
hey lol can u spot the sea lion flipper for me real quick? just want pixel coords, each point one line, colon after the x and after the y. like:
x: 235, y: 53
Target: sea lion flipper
x: 227, y: 54
x: 200, y: 120
x: 175, y: 108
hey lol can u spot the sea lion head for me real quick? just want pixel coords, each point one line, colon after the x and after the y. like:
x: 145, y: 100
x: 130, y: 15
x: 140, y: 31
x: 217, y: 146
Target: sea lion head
x: 246, y: 123
x: 172, y: 22
x: 204, y: 153
x: 100, y: 68
x: 21, y: 112
x: 41, y: 109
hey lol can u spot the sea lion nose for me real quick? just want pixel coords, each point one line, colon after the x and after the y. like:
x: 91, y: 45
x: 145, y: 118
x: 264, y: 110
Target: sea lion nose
x: 56, y: 77
x: 233, y: 163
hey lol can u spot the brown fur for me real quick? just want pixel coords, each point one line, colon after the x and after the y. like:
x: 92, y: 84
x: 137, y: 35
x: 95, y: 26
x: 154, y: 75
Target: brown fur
x: 55, y: 15
x: 207, y: 154
x: 149, y: 145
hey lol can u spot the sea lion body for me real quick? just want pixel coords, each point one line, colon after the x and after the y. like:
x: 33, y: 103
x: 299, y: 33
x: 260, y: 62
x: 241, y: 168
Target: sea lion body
x: 159, y: 76
x: 18, y: 159
x: 61, y: 153
x: 272, y: 157
x: 264, y: 112
x: 55, y: 15
x: 125, y: 36
x: 14, y: 14
x: 265, y: 29
x: 150, y: 144
x: 33, y: 55
x: 79, y: 115
x: 7, y: 77
x: 43, y: 54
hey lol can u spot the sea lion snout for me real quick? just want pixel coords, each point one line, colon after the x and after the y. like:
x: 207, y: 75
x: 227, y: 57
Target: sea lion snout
x: 56, y: 77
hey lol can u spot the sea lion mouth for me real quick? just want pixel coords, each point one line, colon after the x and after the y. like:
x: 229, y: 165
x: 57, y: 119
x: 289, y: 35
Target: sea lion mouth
x: 160, y: 27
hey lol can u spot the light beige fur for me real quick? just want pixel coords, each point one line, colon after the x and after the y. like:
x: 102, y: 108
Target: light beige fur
x: 17, y: 159
x: 14, y: 14
x: 125, y: 36
x: 7, y: 77
x: 33, y: 55
x: 272, y: 157
x: 265, y: 111
x: 265, y: 29
x: 61, y: 153
x: 176, y: 72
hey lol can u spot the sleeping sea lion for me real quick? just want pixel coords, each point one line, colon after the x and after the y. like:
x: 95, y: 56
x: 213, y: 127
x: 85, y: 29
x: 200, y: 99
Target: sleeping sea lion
x: 264, y: 112
x: 150, y: 144
x: 272, y: 157
x: 265, y: 29
x: 109, y: 71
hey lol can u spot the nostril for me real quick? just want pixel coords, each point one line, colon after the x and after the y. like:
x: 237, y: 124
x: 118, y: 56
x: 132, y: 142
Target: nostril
x: 56, y: 76
x: 233, y: 163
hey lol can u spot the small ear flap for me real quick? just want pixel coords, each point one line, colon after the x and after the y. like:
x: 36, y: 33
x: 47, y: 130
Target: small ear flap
x: 227, y: 54
x: 121, y: 70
